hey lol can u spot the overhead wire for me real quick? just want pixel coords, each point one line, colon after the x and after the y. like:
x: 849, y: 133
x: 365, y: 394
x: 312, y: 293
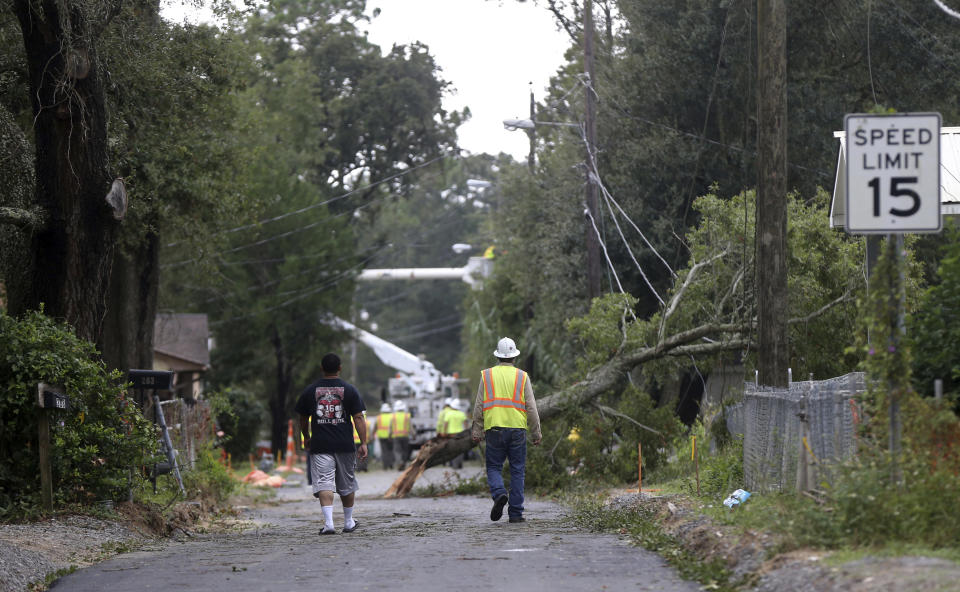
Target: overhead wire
x: 331, y: 200
x: 291, y: 232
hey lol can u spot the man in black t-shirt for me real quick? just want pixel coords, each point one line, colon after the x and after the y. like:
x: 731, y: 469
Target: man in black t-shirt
x: 329, y: 408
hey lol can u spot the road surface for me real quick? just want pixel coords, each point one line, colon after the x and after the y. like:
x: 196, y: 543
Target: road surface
x: 443, y: 544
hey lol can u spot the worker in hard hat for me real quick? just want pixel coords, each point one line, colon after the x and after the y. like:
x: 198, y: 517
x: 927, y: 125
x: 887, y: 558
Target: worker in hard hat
x: 400, y: 433
x: 383, y: 423
x: 504, y: 413
x: 327, y: 408
x: 456, y: 423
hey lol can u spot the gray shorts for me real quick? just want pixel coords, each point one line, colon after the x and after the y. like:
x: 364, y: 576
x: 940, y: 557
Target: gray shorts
x: 334, y: 472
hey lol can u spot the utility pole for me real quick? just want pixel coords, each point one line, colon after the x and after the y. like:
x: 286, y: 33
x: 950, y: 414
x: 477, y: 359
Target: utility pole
x: 593, y: 242
x: 771, y: 230
x: 532, y: 132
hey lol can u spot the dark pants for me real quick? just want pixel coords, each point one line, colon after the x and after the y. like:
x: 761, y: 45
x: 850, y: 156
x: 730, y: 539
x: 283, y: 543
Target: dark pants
x: 507, y: 444
x: 401, y: 449
x: 386, y: 453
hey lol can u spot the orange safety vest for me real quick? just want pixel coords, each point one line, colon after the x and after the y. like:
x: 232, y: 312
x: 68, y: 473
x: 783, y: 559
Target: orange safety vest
x: 504, y: 405
x: 401, y: 424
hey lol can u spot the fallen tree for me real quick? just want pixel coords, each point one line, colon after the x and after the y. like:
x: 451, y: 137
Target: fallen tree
x: 437, y: 451
x: 710, y: 311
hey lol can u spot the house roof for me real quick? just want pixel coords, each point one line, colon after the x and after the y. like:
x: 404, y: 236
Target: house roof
x: 949, y: 177
x: 183, y: 336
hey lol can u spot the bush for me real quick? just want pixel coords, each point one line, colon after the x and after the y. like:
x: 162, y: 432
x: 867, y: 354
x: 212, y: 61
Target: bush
x: 241, y: 421
x: 95, y: 443
x: 209, y: 478
x: 600, y: 446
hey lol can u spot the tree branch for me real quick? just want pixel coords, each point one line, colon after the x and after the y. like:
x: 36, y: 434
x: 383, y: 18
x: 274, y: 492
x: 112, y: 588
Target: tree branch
x: 843, y: 298
x: 616, y: 413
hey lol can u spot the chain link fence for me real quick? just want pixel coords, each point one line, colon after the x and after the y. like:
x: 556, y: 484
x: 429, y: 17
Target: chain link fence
x: 190, y: 425
x: 793, y: 436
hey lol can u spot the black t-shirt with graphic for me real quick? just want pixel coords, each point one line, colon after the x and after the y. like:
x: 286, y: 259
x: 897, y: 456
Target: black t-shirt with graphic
x: 331, y: 404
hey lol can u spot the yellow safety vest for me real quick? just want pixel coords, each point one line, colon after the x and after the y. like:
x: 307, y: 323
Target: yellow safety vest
x: 454, y: 421
x: 356, y: 434
x: 383, y: 425
x: 441, y: 422
x: 504, y: 405
x: 401, y: 424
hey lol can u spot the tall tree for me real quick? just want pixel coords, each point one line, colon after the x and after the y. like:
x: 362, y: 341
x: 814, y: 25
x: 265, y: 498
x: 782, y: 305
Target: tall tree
x: 177, y: 139
x: 340, y: 128
x: 78, y: 203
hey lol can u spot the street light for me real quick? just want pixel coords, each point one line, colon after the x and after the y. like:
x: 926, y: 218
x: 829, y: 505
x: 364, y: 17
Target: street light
x: 529, y: 124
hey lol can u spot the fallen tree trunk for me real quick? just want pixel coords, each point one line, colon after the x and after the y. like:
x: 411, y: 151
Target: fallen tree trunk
x: 437, y: 451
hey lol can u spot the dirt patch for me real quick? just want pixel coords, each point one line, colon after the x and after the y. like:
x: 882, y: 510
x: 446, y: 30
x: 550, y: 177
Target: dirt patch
x: 755, y: 565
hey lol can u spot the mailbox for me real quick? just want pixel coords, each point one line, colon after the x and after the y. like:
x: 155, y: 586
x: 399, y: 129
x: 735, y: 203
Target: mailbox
x: 152, y: 380
x: 52, y: 397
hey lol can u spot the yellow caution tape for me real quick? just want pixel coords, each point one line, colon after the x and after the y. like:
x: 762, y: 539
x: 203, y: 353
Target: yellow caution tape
x: 807, y: 446
x: 693, y: 446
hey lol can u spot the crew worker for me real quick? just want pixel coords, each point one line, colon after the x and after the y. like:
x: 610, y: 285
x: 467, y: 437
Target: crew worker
x: 455, y: 423
x: 400, y: 433
x: 441, y: 422
x: 383, y: 424
x: 503, y: 413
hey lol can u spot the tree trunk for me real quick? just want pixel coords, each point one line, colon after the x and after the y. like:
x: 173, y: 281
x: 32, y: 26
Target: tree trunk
x: 127, y: 339
x: 70, y: 257
x: 278, y: 404
x: 772, y: 298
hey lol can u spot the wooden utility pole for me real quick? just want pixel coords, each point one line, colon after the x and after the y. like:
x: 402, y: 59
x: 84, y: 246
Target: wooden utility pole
x: 532, y: 133
x: 593, y: 242
x: 771, y: 230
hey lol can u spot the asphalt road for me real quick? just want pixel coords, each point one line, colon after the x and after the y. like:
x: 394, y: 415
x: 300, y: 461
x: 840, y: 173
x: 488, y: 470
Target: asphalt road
x: 444, y: 544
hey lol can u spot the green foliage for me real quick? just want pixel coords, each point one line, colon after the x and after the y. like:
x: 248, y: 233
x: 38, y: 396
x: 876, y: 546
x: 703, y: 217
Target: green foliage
x: 94, y: 444
x: 241, y: 421
x: 209, y: 478
x: 643, y: 528
x: 590, y: 445
x: 934, y: 328
x: 604, y: 330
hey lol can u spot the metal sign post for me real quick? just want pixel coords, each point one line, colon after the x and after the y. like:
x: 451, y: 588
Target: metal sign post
x: 893, y: 187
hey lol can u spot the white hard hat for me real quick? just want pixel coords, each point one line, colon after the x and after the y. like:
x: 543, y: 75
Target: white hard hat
x: 506, y: 349
x: 459, y: 405
x: 385, y: 408
x: 399, y: 406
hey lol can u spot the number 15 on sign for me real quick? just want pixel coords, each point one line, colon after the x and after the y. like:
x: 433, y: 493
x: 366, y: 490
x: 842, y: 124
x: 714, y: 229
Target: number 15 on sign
x: 893, y: 173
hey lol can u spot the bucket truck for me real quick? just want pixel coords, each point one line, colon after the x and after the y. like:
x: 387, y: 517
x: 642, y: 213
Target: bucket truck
x: 418, y: 383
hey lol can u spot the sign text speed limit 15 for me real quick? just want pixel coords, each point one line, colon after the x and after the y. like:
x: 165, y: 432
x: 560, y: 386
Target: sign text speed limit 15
x: 893, y: 173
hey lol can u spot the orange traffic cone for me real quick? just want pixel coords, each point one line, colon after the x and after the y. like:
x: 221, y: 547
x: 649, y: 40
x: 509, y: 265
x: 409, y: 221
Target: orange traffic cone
x: 290, y: 451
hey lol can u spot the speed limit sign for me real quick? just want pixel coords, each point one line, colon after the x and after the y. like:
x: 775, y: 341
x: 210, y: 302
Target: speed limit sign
x: 893, y: 173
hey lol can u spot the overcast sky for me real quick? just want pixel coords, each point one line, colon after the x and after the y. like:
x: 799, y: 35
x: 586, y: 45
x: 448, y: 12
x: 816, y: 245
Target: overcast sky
x: 489, y: 50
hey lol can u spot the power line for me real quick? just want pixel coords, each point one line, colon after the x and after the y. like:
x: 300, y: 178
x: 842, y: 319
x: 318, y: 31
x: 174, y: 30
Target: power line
x: 329, y: 201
